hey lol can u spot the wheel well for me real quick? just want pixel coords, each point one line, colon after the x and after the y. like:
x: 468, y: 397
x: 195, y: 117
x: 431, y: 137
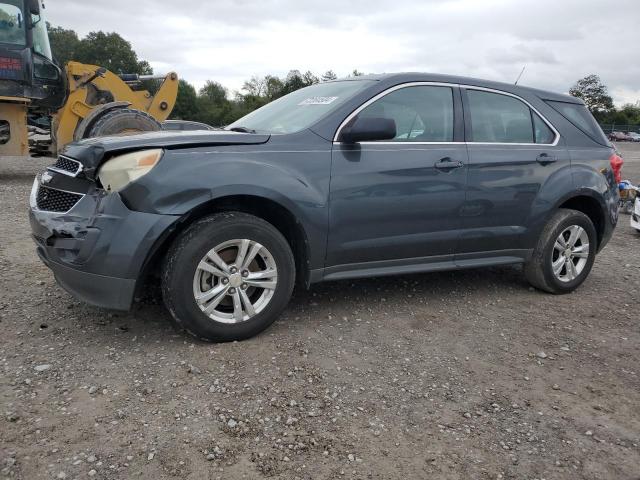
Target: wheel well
x: 268, y: 210
x: 591, y: 208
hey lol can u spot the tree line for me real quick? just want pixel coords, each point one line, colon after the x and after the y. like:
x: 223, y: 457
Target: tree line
x: 596, y: 97
x: 213, y: 104
x: 108, y: 50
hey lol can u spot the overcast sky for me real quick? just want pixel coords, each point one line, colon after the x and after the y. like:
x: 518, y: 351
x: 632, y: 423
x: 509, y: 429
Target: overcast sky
x: 229, y: 41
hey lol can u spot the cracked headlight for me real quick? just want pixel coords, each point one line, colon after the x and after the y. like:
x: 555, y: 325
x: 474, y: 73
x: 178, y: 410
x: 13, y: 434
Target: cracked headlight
x: 118, y: 172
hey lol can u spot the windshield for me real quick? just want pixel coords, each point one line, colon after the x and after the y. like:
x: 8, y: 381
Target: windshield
x: 40, y: 35
x: 302, y: 108
x: 12, y: 28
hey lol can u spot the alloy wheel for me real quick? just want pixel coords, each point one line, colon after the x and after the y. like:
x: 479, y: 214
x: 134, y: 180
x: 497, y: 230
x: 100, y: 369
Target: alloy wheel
x: 570, y: 253
x: 235, y: 281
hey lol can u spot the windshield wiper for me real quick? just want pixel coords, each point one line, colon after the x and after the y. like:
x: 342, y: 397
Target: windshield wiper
x: 241, y: 129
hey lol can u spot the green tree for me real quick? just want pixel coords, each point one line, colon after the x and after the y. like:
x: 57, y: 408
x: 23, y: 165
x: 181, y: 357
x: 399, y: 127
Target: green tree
x: 111, y: 51
x: 273, y: 87
x: 269, y: 87
x: 187, y: 102
x: 309, y: 78
x: 214, y: 106
x: 632, y: 112
x: 247, y: 103
x: 594, y: 94
x: 215, y: 92
x: 296, y: 80
x: 356, y: 73
x: 328, y: 76
x: 64, y: 43
x: 254, y: 86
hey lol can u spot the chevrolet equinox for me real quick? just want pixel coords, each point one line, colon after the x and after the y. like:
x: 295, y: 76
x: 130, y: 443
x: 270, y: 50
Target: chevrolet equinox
x: 367, y: 176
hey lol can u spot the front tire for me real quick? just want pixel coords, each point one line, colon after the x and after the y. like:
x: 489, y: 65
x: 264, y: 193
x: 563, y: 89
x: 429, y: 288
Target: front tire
x: 228, y: 277
x: 564, y: 254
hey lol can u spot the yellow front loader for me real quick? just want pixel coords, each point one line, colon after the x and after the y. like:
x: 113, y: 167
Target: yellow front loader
x: 43, y: 107
x: 102, y: 103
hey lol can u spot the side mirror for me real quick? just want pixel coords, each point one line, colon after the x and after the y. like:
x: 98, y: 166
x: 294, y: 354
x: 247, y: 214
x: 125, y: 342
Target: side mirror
x: 34, y: 7
x: 369, y: 129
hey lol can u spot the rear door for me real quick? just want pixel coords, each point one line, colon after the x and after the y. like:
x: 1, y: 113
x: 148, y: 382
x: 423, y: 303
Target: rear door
x: 400, y: 199
x: 513, y: 152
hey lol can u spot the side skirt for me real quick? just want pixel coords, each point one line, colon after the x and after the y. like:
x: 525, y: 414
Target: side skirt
x: 408, y: 266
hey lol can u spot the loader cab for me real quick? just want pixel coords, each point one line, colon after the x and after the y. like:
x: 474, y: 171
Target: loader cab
x: 27, y: 68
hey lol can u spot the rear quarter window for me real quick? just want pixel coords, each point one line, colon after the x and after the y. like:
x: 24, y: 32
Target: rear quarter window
x: 581, y: 118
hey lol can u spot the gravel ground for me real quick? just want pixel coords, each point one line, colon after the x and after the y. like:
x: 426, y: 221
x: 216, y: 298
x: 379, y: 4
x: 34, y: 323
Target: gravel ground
x: 469, y: 375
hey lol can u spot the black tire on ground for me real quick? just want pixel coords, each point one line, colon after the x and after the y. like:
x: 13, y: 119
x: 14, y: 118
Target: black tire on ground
x: 190, y: 247
x: 123, y: 121
x: 538, y: 270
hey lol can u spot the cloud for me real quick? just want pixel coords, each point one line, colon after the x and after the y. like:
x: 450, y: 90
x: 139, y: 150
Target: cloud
x: 231, y: 40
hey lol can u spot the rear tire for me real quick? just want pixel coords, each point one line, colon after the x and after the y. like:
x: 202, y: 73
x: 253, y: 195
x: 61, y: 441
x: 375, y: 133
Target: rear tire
x: 212, y: 289
x: 123, y: 121
x: 550, y: 267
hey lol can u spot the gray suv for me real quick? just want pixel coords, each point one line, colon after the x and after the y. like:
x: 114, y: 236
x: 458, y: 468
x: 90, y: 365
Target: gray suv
x: 368, y: 176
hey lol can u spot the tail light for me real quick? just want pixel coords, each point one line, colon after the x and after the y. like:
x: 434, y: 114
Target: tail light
x: 616, y: 165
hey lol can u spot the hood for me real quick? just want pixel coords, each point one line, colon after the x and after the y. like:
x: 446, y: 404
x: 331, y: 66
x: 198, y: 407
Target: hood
x: 95, y: 151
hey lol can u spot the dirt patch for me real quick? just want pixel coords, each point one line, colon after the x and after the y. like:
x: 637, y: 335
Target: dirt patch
x: 450, y: 375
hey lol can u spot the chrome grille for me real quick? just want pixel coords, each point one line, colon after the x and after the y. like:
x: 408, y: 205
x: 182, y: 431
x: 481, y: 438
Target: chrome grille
x: 52, y: 200
x: 67, y: 166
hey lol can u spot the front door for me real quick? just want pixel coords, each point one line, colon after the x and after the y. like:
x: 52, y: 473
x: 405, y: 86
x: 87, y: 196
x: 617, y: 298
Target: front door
x: 397, y: 200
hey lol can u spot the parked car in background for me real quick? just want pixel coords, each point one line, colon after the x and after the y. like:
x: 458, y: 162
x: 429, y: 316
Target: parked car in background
x: 368, y: 176
x: 620, y: 137
x: 635, y: 215
x: 185, y: 125
x: 635, y: 137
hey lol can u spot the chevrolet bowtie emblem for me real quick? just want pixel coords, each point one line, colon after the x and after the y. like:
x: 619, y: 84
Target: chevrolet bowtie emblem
x: 45, y: 178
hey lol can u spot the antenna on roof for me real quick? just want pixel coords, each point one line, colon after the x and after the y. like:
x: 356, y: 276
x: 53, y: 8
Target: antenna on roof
x: 521, y: 72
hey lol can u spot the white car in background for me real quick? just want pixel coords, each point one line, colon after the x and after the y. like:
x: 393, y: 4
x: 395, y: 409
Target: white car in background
x: 635, y: 215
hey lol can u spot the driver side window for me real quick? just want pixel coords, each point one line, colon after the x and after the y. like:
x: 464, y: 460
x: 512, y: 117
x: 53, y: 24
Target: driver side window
x: 422, y: 113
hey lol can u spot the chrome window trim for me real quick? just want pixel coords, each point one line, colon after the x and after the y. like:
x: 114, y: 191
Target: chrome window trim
x: 451, y: 85
x: 64, y: 172
x: 385, y: 93
x: 508, y: 94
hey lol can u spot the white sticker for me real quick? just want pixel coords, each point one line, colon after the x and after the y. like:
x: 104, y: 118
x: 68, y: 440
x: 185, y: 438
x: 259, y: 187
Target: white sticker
x: 318, y: 100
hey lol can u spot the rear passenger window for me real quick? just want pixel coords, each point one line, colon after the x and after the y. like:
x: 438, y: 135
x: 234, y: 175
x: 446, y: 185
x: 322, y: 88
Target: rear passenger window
x: 422, y: 113
x: 541, y: 131
x: 579, y: 115
x: 497, y: 118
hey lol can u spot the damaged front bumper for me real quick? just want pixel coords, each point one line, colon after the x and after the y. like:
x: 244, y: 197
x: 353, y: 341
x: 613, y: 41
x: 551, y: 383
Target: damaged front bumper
x: 97, y: 249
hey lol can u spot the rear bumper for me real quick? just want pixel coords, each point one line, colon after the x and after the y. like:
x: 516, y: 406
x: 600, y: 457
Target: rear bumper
x: 98, y: 250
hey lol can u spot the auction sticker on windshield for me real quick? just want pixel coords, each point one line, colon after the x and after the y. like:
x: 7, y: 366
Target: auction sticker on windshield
x: 318, y: 101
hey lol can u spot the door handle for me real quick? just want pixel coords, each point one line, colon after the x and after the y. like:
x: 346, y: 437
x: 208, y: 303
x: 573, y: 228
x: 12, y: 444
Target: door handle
x: 545, y: 159
x: 447, y: 164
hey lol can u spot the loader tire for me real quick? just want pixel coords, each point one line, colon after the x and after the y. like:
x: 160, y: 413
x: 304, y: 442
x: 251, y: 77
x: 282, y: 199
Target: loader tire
x: 123, y: 121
